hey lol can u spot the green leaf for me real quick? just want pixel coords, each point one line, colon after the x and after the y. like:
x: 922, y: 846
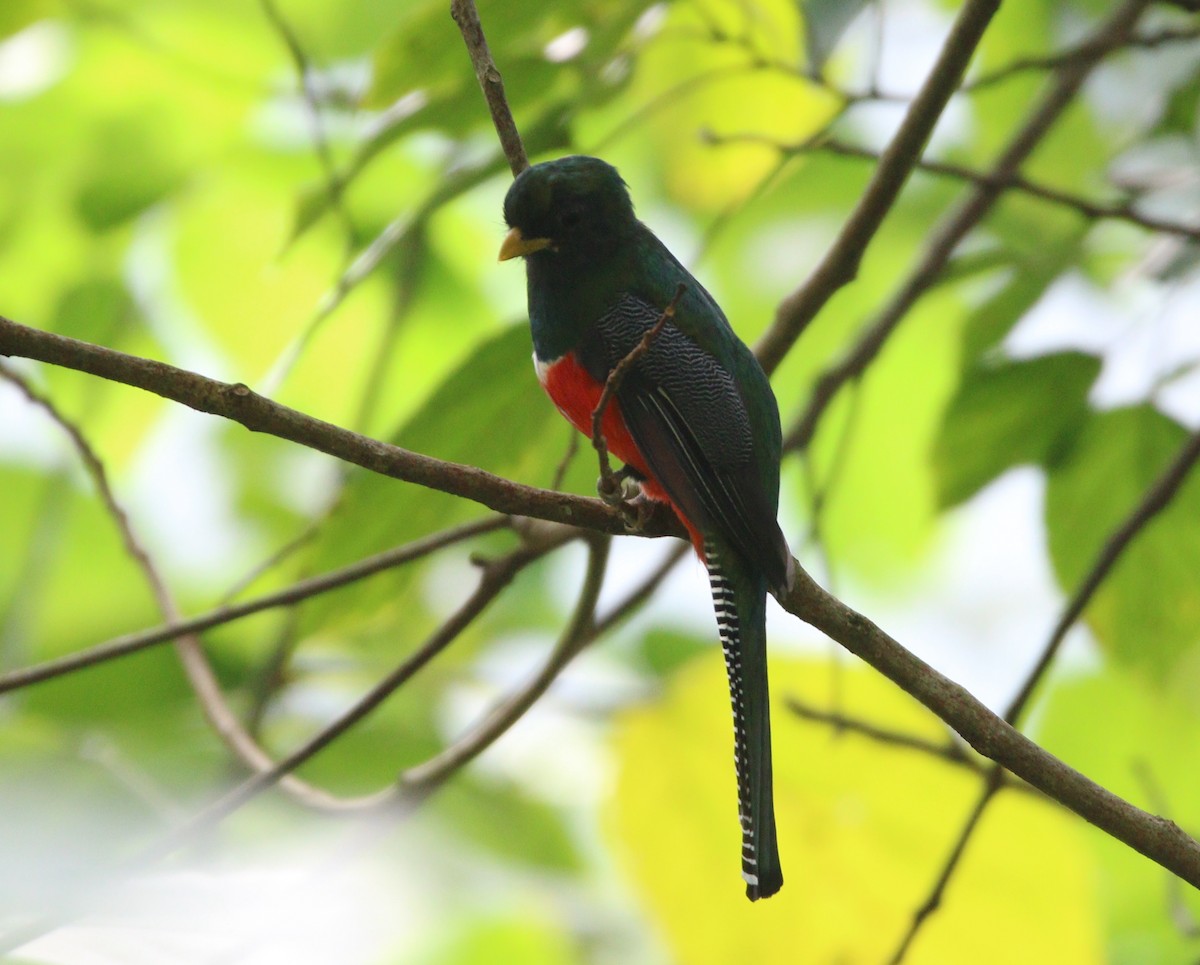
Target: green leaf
x: 1008, y: 414
x: 1042, y: 244
x: 665, y: 650
x: 528, y: 939
x: 1145, y: 746
x: 1181, y: 111
x: 16, y: 15
x: 825, y: 22
x: 131, y: 169
x: 1147, y: 612
x: 490, y: 413
x: 509, y: 823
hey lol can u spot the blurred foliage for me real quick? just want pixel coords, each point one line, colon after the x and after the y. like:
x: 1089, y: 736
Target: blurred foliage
x: 854, y: 830
x: 171, y: 187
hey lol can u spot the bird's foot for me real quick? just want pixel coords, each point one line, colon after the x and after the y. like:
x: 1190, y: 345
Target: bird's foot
x: 622, y: 491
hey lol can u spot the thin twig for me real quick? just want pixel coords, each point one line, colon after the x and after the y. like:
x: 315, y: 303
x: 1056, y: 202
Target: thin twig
x: 1146, y: 41
x: 271, y: 676
x: 1117, y: 211
x: 304, y: 70
x: 495, y: 576
x: 934, y: 900
x: 277, y: 557
x: 607, y: 485
x: 1152, y: 503
x: 194, y: 660
x: 841, y: 262
x: 957, y: 225
x: 545, y: 132
x: 948, y: 750
x: 564, y: 464
x: 641, y: 593
x: 467, y: 18
x: 133, y: 642
x: 424, y: 778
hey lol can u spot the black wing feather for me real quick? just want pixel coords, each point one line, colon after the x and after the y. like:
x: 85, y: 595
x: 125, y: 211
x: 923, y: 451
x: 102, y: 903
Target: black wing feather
x: 690, y: 422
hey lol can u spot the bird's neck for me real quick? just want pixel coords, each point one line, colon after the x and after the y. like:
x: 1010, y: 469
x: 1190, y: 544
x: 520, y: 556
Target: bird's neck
x: 568, y: 295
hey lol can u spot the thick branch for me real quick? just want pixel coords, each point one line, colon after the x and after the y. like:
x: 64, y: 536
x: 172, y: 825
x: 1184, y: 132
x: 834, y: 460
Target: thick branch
x: 1154, y: 501
x: 840, y: 265
x: 1157, y: 838
x: 259, y: 414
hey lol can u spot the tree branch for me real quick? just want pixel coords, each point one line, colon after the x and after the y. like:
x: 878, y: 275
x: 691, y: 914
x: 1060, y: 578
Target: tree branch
x: 1154, y: 501
x: 133, y: 642
x: 1157, y: 838
x: 494, y: 577
x: 334, y: 187
x: 467, y: 18
x: 191, y: 653
x: 934, y: 900
x: 1146, y: 41
x: 1116, y: 211
x: 841, y: 262
x: 959, y: 224
x: 259, y: 414
x: 423, y: 779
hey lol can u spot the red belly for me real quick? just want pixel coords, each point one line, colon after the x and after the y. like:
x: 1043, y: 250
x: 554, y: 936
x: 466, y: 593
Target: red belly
x: 577, y: 394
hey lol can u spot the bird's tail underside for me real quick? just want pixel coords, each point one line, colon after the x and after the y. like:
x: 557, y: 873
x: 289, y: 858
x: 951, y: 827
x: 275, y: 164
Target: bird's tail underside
x: 740, y: 601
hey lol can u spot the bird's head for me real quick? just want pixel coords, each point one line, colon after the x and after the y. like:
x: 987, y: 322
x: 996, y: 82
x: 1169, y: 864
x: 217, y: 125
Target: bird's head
x: 575, y: 206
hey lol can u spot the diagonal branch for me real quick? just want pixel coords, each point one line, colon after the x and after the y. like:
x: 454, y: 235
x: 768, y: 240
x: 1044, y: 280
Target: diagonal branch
x: 1152, y: 503
x: 259, y: 414
x: 467, y: 18
x: 494, y: 577
x: 423, y: 779
x: 1141, y: 41
x: 334, y: 186
x: 840, y: 265
x: 305, y: 589
x: 1157, y: 838
x: 191, y: 653
x: 953, y: 229
x: 1123, y: 210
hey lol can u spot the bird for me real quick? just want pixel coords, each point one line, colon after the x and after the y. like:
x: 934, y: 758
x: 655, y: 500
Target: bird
x: 692, y: 417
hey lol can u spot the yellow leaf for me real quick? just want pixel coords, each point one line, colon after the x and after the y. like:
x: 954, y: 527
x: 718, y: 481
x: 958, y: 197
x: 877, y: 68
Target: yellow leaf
x: 863, y: 831
x: 745, y: 83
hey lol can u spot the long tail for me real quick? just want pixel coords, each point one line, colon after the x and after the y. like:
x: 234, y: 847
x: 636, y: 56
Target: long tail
x: 740, y: 600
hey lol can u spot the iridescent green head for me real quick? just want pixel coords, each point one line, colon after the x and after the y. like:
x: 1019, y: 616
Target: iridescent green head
x: 575, y: 206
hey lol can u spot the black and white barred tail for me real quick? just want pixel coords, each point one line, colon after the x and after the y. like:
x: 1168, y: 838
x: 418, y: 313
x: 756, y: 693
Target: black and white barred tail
x: 739, y: 599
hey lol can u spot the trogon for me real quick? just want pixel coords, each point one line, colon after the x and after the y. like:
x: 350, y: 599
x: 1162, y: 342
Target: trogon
x: 693, y: 419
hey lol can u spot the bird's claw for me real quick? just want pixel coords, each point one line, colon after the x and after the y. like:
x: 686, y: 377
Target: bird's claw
x: 622, y: 491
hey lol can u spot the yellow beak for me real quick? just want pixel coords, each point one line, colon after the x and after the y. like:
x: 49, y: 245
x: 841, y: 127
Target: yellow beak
x: 516, y: 244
